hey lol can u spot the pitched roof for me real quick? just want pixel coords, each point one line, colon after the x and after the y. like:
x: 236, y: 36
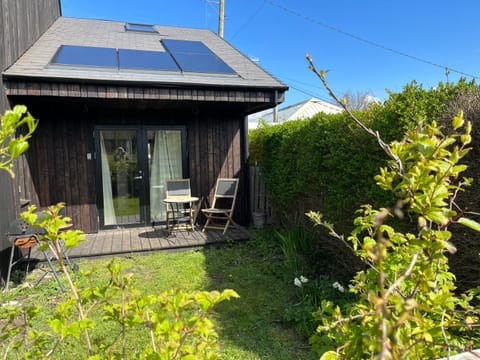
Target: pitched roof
x: 35, y: 63
x: 302, y: 110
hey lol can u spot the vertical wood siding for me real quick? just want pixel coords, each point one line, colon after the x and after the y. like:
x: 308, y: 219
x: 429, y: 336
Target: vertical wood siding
x: 57, y: 168
x: 218, y: 154
x: 21, y: 23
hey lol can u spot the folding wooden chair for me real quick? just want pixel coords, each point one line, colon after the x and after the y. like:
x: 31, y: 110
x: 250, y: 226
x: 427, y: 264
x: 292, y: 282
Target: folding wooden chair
x: 179, y: 202
x: 222, y: 206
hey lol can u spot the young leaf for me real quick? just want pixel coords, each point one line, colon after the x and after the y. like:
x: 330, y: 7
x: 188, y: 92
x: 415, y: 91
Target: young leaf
x: 458, y: 120
x: 329, y: 355
x: 472, y: 224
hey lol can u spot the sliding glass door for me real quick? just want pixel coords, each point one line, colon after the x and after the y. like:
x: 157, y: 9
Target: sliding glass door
x: 133, y: 165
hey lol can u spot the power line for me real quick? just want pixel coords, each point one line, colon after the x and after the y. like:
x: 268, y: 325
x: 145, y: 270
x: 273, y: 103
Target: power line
x: 306, y: 92
x: 248, y: 21
x: 212, y: 5
x: 303, y: 91
x: 311, y: 94
x: 366, y: 41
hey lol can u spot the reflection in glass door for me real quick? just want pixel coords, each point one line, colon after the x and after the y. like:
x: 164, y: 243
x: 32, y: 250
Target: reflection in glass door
x: 120, y: 177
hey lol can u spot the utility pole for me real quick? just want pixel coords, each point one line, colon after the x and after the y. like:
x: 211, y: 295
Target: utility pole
x: 221, y: 18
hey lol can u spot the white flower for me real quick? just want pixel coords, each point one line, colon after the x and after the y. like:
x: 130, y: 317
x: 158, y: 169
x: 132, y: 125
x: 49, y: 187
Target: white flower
x: 338, y: 286
x: 12, y: 303
x: 303, y: 279
x: 297, y: 282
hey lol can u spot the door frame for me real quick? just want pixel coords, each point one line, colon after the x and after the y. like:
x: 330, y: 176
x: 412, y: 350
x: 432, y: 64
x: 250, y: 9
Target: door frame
x: 143, y: 166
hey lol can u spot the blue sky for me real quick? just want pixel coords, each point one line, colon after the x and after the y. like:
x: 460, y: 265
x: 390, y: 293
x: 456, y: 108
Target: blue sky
x: 367, y: 46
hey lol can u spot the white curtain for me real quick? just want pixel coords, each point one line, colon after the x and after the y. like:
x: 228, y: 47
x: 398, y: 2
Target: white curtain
x: 166, y: 164
x: 108, y: 209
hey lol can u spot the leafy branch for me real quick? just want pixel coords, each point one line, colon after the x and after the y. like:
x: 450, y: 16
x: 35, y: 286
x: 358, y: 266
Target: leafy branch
x: 407, y: 308
x: 12, y: 145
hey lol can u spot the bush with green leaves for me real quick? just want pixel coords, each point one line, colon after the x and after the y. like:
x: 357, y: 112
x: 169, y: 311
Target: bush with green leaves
x: 174, y: 324
x: 306, y: 165
x: 327, y: 164
x: 407, y: 306
x: 311, y: 292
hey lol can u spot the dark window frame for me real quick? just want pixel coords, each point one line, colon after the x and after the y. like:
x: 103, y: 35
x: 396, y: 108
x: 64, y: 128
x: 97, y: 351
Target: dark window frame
x: 138, y: 27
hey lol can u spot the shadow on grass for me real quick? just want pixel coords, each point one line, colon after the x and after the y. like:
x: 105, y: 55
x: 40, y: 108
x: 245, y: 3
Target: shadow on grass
x: 252, y: 326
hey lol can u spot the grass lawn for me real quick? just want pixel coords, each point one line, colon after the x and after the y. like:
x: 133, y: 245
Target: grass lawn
x: 250, y: 327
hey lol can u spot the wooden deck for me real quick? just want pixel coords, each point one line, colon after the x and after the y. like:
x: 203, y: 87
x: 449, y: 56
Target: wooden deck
x: 145, y: 239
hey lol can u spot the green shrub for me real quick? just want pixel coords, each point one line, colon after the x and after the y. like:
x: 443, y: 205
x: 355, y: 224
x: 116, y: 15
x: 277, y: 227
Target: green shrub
x: 327, y: 164
x: 314, y: 163
x: 407, y: 307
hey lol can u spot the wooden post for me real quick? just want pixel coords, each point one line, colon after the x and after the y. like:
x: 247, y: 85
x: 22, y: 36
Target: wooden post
x: 221, y: 18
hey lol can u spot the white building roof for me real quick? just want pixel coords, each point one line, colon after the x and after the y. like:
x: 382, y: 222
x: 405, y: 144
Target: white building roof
x: 301, y: 110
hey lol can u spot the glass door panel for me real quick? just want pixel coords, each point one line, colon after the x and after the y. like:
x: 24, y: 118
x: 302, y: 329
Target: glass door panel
x: 121, y: 177
x: 165, y: 161
x: 132, y: 169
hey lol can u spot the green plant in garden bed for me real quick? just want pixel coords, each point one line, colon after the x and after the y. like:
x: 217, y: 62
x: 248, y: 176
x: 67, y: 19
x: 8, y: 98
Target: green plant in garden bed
x: 309, y: 296
x: 406, y: 307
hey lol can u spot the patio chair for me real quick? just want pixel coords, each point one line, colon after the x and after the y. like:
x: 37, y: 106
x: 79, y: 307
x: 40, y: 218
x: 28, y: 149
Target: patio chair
x: 178, y: 202
x: 219, y: 215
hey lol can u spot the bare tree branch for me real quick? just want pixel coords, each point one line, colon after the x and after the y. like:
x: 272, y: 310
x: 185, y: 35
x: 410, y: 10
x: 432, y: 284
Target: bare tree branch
x: 383, y: 145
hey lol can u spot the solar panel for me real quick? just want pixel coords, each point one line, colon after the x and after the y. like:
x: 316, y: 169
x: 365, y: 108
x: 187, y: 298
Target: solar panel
x: 144, y: 59
x: 195, y: 56
x: 184, y: 55
x: 202, y: 63
x: 186, y: 46
x: 85, y: 55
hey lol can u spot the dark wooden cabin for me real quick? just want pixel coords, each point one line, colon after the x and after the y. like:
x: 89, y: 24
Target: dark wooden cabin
x: 124, y: 106
x: 22, y: 22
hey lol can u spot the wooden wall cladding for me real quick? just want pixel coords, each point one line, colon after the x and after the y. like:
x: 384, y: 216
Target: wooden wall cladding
x: 21, y: 23
x: 16, y: 87
x: 57, y: 168
x: 216, y: 152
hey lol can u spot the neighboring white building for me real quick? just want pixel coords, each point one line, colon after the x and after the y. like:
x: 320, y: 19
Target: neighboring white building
x: 301, y: 110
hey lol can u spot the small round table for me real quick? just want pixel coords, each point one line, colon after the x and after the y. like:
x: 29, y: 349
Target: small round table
x: 176, y: 204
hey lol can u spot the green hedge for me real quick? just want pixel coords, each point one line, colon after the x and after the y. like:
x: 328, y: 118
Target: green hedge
x: 327, y: 164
